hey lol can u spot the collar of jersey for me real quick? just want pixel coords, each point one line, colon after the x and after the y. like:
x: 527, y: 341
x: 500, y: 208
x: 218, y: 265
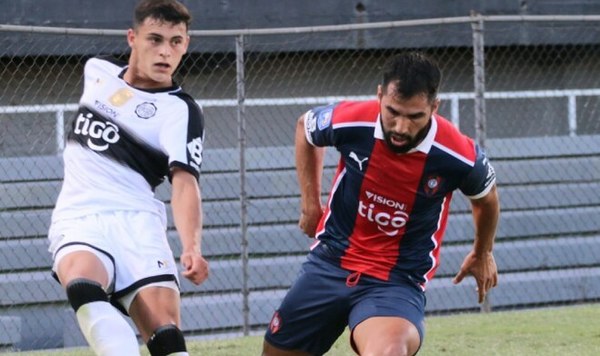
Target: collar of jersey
x: 175, y: 87
x: 424, y: 146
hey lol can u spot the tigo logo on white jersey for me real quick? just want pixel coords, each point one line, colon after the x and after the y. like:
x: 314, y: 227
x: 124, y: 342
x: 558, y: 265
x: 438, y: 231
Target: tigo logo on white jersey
x: 100, y: 134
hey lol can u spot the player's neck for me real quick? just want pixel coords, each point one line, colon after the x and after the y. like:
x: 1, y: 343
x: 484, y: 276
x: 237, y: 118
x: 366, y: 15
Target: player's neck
x: 139, y: 80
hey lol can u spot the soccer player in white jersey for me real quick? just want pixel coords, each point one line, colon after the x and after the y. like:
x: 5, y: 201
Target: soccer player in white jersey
x: 134, y: 128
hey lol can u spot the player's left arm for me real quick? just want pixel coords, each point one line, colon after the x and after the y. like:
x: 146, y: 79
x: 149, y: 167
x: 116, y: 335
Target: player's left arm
x: 480, y: 186
x: 186, y: 203
x: 480, y: 262
x: 183, y: 139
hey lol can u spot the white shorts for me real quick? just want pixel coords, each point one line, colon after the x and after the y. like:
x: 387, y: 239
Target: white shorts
x: 132, y: 245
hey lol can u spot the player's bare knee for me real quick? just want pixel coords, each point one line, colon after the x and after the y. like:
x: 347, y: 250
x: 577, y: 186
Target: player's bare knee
x: 396, y: 349
x: 166, y: 340
x: 387, y: 350
x: 403, y: 345
x: 83, y: 291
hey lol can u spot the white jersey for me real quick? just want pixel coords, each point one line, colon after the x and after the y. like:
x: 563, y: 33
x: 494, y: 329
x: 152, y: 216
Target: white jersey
x: 124, y: 141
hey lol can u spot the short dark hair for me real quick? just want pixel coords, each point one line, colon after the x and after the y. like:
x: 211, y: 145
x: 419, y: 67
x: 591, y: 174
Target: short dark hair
x: 171, y: 11
x: 414, y: 73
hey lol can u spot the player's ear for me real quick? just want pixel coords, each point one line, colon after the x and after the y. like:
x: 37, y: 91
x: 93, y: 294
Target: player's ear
x: 186, y: 43
x: 379, y: 92
x: 435, y: 106
x: 130, y: 37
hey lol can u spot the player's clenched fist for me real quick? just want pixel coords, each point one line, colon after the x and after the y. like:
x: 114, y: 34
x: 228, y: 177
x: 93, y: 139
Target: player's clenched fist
x: 195, y: 267
x: 309, y: 220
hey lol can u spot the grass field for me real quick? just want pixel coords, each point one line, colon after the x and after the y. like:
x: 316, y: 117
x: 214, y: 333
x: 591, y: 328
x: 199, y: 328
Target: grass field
x: 573, y: 330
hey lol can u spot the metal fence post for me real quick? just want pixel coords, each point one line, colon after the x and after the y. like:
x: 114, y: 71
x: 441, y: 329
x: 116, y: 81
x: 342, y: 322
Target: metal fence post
x: 60, y: 131
x: 479, y: 78
x: 479, y: 88
x: 572, y: 114
x: 241, y: 118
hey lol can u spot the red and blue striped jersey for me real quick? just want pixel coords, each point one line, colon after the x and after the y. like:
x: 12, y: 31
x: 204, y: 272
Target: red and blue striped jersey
x: 386, y: 213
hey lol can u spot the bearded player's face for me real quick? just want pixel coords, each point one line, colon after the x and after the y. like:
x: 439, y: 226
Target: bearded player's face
x: 405, y: 121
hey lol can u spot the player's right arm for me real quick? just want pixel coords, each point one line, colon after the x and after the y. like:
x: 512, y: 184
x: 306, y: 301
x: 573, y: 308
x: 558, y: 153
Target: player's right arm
x: 309, y: 169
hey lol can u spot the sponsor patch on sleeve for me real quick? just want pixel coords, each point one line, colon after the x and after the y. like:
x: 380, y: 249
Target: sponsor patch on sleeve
x: 324, y: 119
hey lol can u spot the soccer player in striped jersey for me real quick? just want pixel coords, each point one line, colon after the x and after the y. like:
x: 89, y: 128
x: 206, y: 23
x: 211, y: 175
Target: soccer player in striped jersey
x: 135, y: 126
x: 378, y: 237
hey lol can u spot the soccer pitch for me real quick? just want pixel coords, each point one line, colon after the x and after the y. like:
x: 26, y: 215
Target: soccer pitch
x: 573, y: 330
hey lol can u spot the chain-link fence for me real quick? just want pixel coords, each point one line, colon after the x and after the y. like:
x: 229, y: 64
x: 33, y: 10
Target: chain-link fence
x: 525, y: 87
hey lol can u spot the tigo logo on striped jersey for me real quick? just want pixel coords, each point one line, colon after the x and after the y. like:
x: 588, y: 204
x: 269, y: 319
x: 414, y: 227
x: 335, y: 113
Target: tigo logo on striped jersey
x: 377, y: 210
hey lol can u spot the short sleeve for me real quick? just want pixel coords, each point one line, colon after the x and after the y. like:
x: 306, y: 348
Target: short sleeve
x: 183, y: 138
x: 318, y: 126
x: 480, y: 179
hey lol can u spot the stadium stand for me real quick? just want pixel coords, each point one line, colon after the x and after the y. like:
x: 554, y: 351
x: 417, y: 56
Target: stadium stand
x: 548, y: 237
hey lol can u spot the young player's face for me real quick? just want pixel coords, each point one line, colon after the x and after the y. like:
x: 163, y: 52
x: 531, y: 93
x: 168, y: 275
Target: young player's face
x: 156, y: 50
x: 405, y: 121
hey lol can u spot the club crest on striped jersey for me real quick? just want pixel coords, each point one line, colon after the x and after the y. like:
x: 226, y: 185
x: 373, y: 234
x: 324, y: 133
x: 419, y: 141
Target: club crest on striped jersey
x: 432, y: 184
x: 275, y: 323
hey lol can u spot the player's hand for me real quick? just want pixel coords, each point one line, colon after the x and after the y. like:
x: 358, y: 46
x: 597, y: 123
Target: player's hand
x: 309, y: 220
x: 483, y: 268
x: 195, y: 267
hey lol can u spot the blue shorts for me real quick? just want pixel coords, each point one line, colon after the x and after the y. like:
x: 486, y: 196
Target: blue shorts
x: 324, y: 299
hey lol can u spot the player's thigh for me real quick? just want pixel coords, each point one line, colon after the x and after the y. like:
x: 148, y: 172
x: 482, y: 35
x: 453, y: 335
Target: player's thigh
x: 79, y: 250
x: 312, y: 315
x: 143, y: 255
x: 84, y: 264
x: 387, y: 317
x: 386, y: 335
x: 154, y: 306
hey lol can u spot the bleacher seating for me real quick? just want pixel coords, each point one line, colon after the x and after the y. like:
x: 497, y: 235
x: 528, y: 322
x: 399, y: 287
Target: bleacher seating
x: 547, y: 246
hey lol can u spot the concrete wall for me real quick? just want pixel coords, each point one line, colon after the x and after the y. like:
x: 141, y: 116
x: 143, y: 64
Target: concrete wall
x: 234, y: 14
x: 241, y: 14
